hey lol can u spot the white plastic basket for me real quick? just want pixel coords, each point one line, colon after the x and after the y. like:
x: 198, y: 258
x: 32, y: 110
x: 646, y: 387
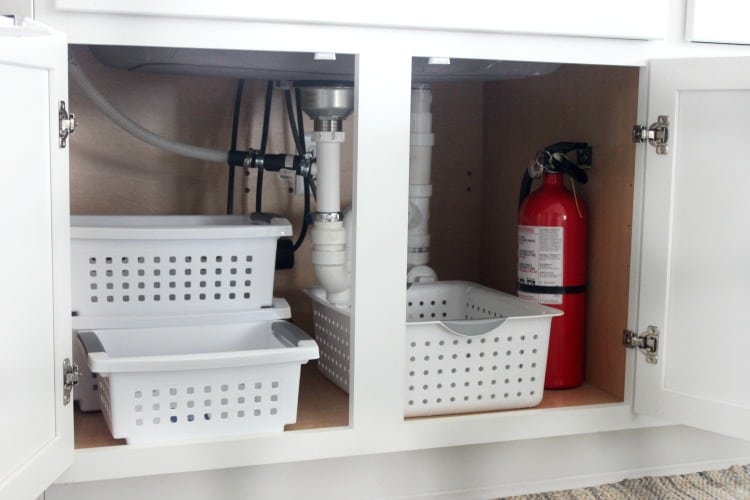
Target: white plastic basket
x: 176, y: 383
x: 468, y: 348
x: 86, y: 392
x: 154, y: 265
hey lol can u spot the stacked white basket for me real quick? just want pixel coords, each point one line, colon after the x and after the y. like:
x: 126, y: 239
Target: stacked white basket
x: 178, y: 333
x: 468, y: 348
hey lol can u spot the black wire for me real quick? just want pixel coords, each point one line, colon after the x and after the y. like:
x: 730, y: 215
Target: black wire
x: 305, y: 212
x: 235, y: 129
x: 301, y: 125
x: 313, y: 189
x: 263, y: 144
x: 299, y: 139
x: 310, y: 184
x: 292, y: 122
x: 300, y: 122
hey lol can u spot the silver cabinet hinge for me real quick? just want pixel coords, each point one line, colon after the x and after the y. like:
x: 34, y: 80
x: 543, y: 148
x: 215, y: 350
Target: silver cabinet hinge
x: 71, y: 376
x: 67, y: 124
x: 648, y: 342
x: 657, y: 134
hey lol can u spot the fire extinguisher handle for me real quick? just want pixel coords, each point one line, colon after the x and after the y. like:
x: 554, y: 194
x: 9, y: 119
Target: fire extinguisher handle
x: 566, y: 147
x: 561, y: 162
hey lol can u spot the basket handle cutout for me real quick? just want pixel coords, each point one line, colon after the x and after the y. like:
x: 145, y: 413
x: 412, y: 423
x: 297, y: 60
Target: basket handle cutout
x: 289, y: 334
x: 474, y: 327
x: 90, y: 342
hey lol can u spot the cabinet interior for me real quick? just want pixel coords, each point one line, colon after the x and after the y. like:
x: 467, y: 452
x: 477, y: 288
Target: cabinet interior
x: 486, y: 131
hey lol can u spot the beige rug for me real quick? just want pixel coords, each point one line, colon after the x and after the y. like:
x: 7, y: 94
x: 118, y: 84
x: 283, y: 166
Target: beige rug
x: 727, y: 484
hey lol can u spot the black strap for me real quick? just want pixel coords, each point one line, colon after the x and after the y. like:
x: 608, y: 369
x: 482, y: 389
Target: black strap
x: 551, y: 290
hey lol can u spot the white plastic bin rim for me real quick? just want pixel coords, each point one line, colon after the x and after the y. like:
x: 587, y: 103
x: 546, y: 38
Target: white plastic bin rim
x: 168, y: 227
x: 279, y: 310
x: 196, y: 347
x: 511, y: 305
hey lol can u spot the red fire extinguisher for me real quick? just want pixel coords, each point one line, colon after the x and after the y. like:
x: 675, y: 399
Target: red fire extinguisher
x: 552, y: 258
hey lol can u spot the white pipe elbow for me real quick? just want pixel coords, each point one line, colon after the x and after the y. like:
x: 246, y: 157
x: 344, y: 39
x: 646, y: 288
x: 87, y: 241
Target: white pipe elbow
x: 336, y: 282
x: 421, y: 274
x: 330, y: 262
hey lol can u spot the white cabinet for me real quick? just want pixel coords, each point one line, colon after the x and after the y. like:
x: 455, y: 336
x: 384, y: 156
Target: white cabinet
x: 694, y: 267
x: 717, y: 21
x: 578, y: 17
x: 661, y: 293
x: 37, y: 427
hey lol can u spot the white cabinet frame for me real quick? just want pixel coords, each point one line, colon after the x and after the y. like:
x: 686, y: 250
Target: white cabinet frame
x: 381, y: 145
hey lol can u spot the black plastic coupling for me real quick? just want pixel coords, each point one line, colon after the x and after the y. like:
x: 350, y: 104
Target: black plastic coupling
x: 239, y: 158
x: 301, y: 164
x: 274, y: 163
x: 284, y: 253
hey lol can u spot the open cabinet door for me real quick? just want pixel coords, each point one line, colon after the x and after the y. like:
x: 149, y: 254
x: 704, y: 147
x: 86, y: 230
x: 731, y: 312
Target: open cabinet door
x: 36, y: 427
x: 695, y: 261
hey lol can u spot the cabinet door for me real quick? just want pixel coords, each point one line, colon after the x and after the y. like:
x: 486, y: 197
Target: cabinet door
x: 695, y: 261
x: 720, y: 21
x: 36, y: 428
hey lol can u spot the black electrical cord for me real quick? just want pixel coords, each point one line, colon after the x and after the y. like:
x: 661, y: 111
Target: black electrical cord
x: 292, y: 123
x: 299, y: 138
x: 263, y: 144
x: 313, y: 189
x: 301, y: 127
x: 305, y: 212
x: 235, y: 129
x: 300, y: 121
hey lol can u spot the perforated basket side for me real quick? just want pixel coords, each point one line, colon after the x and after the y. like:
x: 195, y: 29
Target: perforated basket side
x: 448, y: 372
x: 461, y: 300
x: 332, y: 333
x: 105, y: 399
x: 162, y: 406
x: 502, y: 369
x: 436, y: 302
x: 125, y: 277
x: 86, y: 391
x: 483, y: 303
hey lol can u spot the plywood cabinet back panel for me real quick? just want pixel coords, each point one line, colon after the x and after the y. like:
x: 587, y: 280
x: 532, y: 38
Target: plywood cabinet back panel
x: 455, y: 207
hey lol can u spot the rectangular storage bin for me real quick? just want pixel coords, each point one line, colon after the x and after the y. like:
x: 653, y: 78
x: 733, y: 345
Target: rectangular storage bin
x: 154, y: 265
x: 468, y: 348
x: 86, y: 392
x: 192, y: 382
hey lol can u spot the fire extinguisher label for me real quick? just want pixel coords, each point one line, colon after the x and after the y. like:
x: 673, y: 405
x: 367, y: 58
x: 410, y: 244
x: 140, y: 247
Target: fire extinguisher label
x: 550, y: 299
x: 540, y: 255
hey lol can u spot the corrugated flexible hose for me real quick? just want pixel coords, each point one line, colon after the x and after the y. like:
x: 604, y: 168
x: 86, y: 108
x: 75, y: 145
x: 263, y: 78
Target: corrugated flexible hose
x: 187, y: 150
